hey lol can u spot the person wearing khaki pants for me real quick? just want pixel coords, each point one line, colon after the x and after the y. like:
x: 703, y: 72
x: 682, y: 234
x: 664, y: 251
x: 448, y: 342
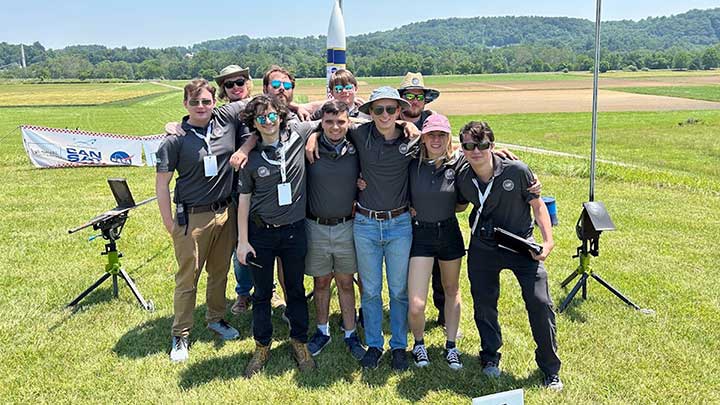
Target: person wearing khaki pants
x: 204, y: 229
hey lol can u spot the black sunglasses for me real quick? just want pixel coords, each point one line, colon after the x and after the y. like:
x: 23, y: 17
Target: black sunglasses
x: 469, y: 146
x: 230, y: 83
x: 379, y: 109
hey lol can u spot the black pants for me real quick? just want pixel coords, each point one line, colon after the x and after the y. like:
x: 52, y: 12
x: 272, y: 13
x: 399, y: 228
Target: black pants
x: 484, y: 265
x: 290, y: 244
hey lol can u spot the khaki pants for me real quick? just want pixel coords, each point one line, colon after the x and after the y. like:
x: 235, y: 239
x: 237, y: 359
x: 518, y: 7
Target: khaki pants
x: 208, y: 242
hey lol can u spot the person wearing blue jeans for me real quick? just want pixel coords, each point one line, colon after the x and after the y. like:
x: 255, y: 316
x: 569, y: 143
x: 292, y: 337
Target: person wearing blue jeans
x: 382, y: 222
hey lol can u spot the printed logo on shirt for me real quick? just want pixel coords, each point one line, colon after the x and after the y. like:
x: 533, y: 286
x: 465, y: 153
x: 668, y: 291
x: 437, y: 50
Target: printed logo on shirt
x: 508, y: 185
x: 351, y: 149
x: 403, y: 148
x: 450, y: 174
x: 263, y: 171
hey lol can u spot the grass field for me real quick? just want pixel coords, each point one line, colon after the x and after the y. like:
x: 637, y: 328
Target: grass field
x: 76, y: 94
x: 709, y: 93
x: 663, y: 256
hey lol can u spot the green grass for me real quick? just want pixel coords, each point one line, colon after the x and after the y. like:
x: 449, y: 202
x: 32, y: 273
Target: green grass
x: 709, y: 93
x: 663, y: 256
x: 77, y: 94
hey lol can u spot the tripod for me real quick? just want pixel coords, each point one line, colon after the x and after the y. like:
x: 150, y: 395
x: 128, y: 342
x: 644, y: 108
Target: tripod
x: 584, y: 271
x: 110, y: 230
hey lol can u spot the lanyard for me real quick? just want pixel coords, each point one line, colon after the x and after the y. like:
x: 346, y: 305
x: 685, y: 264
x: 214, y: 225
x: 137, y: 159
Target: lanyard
x: 282, y: 163
x: 206, y: 138
x: 483, y: 197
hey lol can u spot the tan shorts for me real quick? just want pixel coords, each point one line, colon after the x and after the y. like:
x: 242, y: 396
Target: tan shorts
x: 330, y: 249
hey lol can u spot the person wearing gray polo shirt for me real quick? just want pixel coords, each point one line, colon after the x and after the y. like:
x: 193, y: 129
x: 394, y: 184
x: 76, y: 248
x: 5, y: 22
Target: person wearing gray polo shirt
x: 203, y: 230
x: 271, y: 223
x: 498, y: 190
x: 332, y: 190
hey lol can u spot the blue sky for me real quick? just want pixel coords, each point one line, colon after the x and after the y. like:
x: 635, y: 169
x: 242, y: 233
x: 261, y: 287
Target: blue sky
x: 162, y: 23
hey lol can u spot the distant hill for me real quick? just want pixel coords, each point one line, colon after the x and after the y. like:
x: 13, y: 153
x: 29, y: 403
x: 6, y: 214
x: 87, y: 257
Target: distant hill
x: 449, y: 46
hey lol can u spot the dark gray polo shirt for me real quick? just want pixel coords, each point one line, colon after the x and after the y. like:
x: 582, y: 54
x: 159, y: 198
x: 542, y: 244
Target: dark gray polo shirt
x: 507, y: 205
x: 185, y: 155
x: 332, y: 180
x: 384, y: 166
x: 432, y: 189
x: 261, y: 177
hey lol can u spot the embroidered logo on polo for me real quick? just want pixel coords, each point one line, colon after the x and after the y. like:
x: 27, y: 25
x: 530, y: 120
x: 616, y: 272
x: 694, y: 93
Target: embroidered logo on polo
x: 351, y: 149
x: 403, y: 148
x: 263, y: 171
x: 450, y: 174
x: 508, y: 185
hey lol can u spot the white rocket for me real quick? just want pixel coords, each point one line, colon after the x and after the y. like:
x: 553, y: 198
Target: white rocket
x: 335, y: 41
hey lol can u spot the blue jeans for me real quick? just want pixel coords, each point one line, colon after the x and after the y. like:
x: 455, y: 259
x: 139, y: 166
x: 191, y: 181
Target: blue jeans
x: 243, y: 277
x: 375, y: 240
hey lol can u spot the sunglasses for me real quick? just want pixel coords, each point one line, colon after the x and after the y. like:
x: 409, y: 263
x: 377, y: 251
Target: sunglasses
x: 230, y: 84
x: 379, y: 109
x: 193, y: 102
x: 275, y: 84
x: 470, y: 146
x: 412, y: 96
x: 339, y: 88
x: 263, y: 119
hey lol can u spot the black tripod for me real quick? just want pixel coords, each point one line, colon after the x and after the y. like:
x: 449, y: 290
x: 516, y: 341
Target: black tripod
x: 110, y: 230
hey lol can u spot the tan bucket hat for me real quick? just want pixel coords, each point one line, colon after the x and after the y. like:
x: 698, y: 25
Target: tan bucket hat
x: 416, y: 81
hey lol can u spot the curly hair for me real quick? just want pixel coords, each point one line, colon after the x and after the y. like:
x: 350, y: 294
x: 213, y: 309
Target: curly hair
x: 258, y: 106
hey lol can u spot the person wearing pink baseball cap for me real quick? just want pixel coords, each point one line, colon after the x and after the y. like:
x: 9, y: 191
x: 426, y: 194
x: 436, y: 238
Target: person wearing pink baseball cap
x: 436, y: 234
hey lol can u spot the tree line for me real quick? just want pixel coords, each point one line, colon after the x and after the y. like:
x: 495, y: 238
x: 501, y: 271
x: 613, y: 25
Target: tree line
x: 450, y: 46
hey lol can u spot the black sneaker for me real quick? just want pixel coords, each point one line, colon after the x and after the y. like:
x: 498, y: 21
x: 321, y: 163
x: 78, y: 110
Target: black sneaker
x: 371, y: 359
x: 452, y: 356
x: 420, y: 356
x: 318, y: 342
x: 399, y: 360
x: 553, y: 382
x: 354, y: 346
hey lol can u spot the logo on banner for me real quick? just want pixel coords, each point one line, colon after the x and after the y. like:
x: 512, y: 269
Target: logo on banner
x: 83, y: 142
x: 121, y: 157
x: 81, y: 155
x: 508, y: 185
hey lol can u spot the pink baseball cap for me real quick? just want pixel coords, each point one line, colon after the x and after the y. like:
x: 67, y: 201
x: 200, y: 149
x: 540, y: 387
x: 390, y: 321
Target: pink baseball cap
x: 436, y: 122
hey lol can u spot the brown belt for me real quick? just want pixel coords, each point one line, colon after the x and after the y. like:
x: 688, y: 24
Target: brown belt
x: 381, y: 215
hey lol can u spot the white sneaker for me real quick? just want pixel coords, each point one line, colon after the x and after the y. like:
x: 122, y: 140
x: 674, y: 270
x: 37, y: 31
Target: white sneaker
x: 179, y: 352
x: 491, y: 369
x: 420, y: 356
x: 224, y: 330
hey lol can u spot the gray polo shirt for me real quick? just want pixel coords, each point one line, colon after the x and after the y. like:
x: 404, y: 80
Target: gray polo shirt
x: 332, y: 180
x: 432, y: 189
x: 384, y: 166
x: 185, y: 155
x: 261, y: 177
x: 507, y: 206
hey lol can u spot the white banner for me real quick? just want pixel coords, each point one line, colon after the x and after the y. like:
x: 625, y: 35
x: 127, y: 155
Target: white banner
x: 53, y: 147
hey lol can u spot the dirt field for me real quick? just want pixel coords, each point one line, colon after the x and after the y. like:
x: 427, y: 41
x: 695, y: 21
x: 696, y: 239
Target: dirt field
x: 554, y: 96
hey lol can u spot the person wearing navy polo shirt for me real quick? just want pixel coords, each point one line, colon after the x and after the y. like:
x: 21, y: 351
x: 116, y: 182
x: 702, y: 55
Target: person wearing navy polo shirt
x: 499, y: 192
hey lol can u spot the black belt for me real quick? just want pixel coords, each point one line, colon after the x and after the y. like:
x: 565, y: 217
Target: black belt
x: 216, y: 206
x: 438, y: 224
x: 381, y: 215
x: 329, y: 221
x: 262, y: 224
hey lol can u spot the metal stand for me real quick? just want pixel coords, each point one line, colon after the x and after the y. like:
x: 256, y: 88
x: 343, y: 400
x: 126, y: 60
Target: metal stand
x: 110, y: 231
x: 584, y: 271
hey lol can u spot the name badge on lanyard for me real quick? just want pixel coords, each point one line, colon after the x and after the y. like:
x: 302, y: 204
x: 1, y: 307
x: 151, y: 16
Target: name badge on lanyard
x: 210, y: 161
x: 284, y: 189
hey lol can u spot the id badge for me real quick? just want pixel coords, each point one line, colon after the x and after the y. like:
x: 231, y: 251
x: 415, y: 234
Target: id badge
x: 284, y: 194
x: 211, y: 169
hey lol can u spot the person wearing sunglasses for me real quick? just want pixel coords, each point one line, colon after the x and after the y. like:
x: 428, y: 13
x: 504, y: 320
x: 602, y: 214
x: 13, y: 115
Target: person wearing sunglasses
x: 234, y: 82
x: 204, y: 229
x: 342, y: 86
x: 499, y: 192
x: 413, y: 90
x: 271, y: 223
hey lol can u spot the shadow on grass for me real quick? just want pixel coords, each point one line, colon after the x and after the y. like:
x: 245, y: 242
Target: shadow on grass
x: 154, y: 336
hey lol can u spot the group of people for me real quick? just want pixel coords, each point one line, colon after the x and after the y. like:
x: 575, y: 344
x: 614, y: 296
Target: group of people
x: 342, y: 188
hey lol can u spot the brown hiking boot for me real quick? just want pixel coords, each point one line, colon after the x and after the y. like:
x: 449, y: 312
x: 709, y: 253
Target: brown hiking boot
x: 241, y: 305
x: 302, y: 355
x: 259, y: 358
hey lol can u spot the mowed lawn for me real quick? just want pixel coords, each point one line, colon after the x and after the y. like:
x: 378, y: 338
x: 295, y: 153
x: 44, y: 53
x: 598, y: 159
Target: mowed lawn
x: 75, y: 94
x: 709, y: 93
x: 663, y: 256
